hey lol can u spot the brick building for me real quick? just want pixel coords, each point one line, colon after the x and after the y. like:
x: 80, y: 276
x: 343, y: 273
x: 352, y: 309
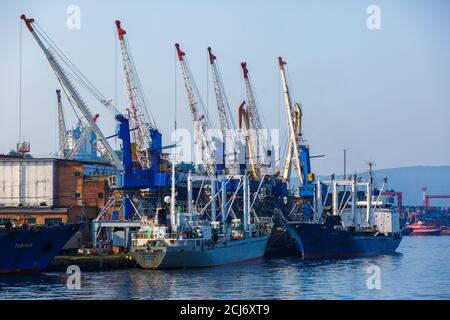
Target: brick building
x: 51, y: 190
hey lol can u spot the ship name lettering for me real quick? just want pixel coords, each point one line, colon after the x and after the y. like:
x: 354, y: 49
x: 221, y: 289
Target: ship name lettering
x: 23, y: 245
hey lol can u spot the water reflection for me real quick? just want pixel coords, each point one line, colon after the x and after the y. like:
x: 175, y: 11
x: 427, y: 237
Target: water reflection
x: 419, y: 271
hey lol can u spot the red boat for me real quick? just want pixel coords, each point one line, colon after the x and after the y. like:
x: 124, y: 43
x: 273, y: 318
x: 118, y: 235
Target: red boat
x: 422, y: 229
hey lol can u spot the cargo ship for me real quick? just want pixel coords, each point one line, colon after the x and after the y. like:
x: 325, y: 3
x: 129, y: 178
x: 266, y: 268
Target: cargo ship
x: 29, y: 249
x: 354, y: 224
x: 191, y: 241
x: 200, y: 245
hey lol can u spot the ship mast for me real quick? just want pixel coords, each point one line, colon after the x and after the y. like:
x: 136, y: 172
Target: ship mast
x: 369, y: 219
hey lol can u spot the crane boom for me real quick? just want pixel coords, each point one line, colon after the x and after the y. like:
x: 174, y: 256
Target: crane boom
x: 136, y: 102
x: 73, y: 92
x: 62, y: 130
x: 244, y: 121
x: 294, y: 135
x: 227, y: 125
x: 258, y: 149
x: 200, y: 121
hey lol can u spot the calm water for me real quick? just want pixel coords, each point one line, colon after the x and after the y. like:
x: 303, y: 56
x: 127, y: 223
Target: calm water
x: 421, y: 270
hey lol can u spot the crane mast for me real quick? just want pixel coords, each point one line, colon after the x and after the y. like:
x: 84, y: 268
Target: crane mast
x: 227, y: 125
x: 244, y: 121
x: 257, y: 150
x: 73, y: 94
x: 202, y: 137
x: 83, y: 136
x: 136, y: 102
x: 294, y: 135
x: 62, y: 130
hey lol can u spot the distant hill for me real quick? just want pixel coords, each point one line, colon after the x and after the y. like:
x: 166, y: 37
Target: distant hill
x: 410, y: 181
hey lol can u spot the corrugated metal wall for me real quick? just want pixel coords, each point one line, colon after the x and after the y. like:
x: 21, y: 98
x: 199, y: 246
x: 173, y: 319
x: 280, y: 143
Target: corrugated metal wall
x: 27, y: 182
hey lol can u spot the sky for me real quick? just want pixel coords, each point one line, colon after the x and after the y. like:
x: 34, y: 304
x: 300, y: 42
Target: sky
x: 383, y: 95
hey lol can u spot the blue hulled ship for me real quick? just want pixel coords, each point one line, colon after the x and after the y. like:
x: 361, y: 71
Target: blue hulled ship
x: 348, y: 222
x: 29, y: 249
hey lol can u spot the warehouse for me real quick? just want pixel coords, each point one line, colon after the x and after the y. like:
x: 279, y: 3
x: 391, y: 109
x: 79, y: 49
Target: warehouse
x: 52, y: 190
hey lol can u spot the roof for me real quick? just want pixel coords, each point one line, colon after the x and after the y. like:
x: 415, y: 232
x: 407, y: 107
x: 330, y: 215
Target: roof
x: 32, y: 210
x: 20, y: 159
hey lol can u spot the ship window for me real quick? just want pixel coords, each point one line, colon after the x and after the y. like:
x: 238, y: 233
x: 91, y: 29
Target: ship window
x: 77, y: 195
x: 4, y: 220
x: 53, y: 221
x: 100, y: 195
x: 31, y: 221
x: 77, y: 173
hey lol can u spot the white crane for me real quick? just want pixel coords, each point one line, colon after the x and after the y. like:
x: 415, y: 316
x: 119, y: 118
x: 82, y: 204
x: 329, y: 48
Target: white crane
x: 83, y: 136
x: 62, y: 130
x: 138, y: 110
x: 295, y: 139
x: 63, y: 151
x: 52, y: 53
x: 200, y: 121
x: 227, y: 124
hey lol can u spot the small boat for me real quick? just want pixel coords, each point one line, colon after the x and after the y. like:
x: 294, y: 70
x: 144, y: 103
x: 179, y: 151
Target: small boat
x: 421, y: 228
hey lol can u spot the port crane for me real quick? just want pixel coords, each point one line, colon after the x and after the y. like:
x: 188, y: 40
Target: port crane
x: 138, y: 111
x: 245, y: 127
x: 227, y: 124
x: 427, y: 197
x: 62, y: 130
x: 200, y: 121
x: 399, y: 196
x: 63, y: 150
x: 294, y: 126
x: 83, y: 136
x: 129, y: 181
x: 52, y: 54
x: 248, y: 111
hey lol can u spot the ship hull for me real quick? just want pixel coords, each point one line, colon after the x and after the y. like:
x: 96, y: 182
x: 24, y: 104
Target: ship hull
x: 197, y: 256
x: 425, y: 232
x: 29, y: 251
x: 421, y: 230
x: 280, y: 244
x: 321, y: 241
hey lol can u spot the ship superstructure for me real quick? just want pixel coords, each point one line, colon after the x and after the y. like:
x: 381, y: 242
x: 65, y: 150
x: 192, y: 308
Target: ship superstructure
x: 350, y: 219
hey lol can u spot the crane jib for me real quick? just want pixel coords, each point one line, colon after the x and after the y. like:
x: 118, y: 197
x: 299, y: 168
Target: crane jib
x: 79, y: 102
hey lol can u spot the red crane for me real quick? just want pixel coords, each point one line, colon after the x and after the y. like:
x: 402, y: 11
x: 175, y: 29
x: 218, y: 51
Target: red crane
x: 399, y: 196
x: 201, y: 123
x: 427, y: 197
x: 138, y: 111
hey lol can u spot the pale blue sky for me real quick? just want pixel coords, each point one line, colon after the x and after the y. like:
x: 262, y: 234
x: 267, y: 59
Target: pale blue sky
x: 383, y: 95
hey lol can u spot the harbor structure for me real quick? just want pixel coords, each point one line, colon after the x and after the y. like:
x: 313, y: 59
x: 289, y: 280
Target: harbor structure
x: 53, y: 190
